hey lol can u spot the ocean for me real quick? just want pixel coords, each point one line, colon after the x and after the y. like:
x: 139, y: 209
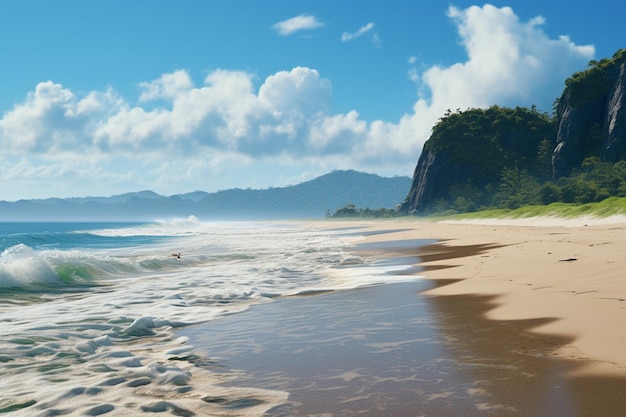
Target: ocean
x: 92, y: 315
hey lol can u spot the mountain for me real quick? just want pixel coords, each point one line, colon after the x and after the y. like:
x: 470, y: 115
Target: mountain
x: 311, y: 199
x: 502, y: 157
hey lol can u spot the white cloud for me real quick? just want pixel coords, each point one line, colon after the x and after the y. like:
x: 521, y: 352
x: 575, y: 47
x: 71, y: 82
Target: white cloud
x: 52, y: 119
x: 347, y: 36
x: 227, y: 122
x: 509, y: 62
x: 300, y: 91
x: 167, y: 86
x: 296, y: 24
x: 338, y: 134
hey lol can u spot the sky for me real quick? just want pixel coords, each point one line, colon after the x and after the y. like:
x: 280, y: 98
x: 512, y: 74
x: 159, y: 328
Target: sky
x: 99, y: 98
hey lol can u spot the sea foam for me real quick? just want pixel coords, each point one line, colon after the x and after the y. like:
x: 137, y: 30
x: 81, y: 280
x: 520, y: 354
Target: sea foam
x: 90, y: 330
x: 20, y: 266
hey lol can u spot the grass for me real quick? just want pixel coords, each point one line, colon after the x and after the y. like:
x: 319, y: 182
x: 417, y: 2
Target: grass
x: 605, y: 208
x: 609, y: 207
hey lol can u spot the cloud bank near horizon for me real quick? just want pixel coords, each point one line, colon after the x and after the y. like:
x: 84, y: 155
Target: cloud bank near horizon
x: 287, y: 119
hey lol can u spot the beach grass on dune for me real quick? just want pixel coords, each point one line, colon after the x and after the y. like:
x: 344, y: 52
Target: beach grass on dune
x: 612, y: 206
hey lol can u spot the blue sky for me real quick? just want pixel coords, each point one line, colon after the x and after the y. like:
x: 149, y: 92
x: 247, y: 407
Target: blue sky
x: 107, y: 97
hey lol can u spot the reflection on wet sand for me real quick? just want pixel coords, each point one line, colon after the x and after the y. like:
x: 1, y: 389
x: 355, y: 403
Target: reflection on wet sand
x: 513, y: 364
x: 387, y: 351
x: 390, y: 351
x: 371, y: 351
x: 510, y: 367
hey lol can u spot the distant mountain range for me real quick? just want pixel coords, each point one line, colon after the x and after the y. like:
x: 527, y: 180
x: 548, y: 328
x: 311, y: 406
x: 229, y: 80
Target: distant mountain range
x: 311, y: 199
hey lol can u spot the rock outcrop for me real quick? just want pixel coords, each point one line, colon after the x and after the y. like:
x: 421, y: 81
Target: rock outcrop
x: 614, y: 148
x: 573, y: 133
x: 468, y: 151
x: 590, y: 121
x: 429, y: 176
x: 592, y: 117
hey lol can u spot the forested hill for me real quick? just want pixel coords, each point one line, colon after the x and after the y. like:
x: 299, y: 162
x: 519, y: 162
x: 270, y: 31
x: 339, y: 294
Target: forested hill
x: 310, y: 199
x: 507, y: 157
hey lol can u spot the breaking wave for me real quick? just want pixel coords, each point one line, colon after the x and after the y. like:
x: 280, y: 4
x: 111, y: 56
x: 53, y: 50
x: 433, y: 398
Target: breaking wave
x: 88, y: 310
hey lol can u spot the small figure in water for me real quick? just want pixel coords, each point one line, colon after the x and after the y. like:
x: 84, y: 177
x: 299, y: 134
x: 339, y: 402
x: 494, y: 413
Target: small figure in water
x: 176, y: 255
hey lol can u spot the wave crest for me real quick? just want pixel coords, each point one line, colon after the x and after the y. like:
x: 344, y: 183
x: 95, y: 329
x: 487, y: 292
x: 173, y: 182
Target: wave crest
x: 22, y: 267
x: 174, y: 227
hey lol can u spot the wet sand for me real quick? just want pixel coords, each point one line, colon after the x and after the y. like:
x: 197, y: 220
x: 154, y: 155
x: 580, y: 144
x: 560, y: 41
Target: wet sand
x: 572, y: 271
x: 449, y: 344
x: 559, y: 282
x: 389, y: 351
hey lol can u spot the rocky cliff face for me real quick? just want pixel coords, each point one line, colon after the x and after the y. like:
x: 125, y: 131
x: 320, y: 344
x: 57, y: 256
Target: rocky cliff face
x: 591, y: 118
x: 427, y: 179
x: 592, y: 124
x: 575, y: 124
x: 614, y: 148
x: 468, y: 151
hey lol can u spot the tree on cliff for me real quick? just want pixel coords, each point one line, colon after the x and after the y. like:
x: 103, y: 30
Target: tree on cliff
x: 507, y: 157
x: 477, y: 155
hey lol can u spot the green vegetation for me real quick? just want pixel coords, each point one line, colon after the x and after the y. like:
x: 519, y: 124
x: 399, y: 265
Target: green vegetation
x: 498, y: 160
x: 504, y: 156
x: 500, y: 156
x: 594, y: 181
x: 594, y: 82
x: 490, y: 139
x: 597, y: 188
x: 609, y: 207
x: 351, y: 210
x: 588, y: 85
x: 489, y: 181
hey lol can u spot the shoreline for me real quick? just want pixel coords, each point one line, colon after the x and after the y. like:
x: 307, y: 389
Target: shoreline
x: 566, y: 274
x: 477, y: 329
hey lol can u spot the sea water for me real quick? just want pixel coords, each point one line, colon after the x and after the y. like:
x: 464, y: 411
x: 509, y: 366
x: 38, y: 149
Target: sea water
x: 89, y: 312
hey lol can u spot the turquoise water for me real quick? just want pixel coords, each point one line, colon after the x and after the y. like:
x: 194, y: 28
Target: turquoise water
x: 89, y: 311
x: 64, y: 236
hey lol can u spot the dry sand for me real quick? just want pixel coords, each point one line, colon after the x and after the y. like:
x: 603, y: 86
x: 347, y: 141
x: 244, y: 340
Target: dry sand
x: 569, y: 275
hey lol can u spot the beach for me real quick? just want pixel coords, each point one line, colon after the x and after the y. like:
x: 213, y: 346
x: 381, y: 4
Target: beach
x: 553, y: 283
x: 502, y: 318
x: 568, y: 271
x: 393, y: 318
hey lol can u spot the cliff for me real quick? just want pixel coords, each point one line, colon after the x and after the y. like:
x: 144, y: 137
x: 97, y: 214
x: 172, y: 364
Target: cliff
x: 434, y: 175
x: 592, y: 116
x: 468, y: 152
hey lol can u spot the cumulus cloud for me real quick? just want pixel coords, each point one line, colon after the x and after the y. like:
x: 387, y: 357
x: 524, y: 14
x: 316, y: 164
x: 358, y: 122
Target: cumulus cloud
x: 52, y: 119
x: 509, y: 62
x: 226, y: 113
x: 227, y: 121
x: 168, y: 86
x: 297, y: 24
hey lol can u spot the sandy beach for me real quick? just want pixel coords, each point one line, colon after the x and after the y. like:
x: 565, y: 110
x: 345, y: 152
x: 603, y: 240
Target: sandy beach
x: 389, y: 318
x: 543, y: 287
x: 571, y: 272
x: 503, y: 318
